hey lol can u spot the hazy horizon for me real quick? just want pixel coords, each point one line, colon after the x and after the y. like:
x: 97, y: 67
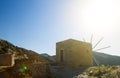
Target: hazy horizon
x: 37, y: 25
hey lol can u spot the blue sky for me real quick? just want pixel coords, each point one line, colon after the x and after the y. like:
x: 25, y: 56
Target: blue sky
x: 38, y: 24
x: 31, y: 24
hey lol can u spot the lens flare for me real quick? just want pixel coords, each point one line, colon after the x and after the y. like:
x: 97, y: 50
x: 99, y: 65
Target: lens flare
x: 24, y: 67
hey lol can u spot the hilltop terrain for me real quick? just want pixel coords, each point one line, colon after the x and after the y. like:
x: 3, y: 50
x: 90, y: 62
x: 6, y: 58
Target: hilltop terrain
x: 101, y: 59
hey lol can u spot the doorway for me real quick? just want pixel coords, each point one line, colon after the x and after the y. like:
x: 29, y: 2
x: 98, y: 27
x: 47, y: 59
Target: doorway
x: 61, y: 56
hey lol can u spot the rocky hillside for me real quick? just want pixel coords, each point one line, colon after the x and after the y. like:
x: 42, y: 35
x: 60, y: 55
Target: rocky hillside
x: 25, y: 62
x: 7, y: 47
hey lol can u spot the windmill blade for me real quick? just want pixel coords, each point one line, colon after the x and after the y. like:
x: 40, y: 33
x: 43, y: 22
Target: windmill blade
x: 91, y: 38
x: 98, y: 42
x: 102, y: 48
x: 95, y: 60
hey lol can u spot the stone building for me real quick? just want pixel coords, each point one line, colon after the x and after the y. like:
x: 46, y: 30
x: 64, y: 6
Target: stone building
x: 7, y: 60
x: 74, y: 53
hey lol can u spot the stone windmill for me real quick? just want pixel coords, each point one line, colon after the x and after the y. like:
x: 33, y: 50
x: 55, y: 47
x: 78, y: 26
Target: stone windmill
x: 75, y: 53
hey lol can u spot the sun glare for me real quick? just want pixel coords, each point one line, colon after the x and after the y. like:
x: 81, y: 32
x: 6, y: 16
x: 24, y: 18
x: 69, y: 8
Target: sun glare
x: 99, y: 16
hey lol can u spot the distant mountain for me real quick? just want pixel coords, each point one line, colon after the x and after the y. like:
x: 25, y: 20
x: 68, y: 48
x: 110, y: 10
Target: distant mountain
x: 106, y: 59
x: 48, y: 57
x: 8, y: 48
x: 45, y: 55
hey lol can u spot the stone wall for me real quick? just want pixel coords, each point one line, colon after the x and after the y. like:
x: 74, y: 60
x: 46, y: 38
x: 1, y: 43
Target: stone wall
x: 7, y: 60
x: 24, y: 66
x: 41, y: 70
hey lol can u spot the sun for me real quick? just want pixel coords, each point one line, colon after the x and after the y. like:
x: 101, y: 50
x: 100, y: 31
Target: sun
x: 99, y: 17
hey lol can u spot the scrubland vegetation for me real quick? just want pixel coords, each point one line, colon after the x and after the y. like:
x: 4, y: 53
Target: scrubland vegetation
x: 101, y: 72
